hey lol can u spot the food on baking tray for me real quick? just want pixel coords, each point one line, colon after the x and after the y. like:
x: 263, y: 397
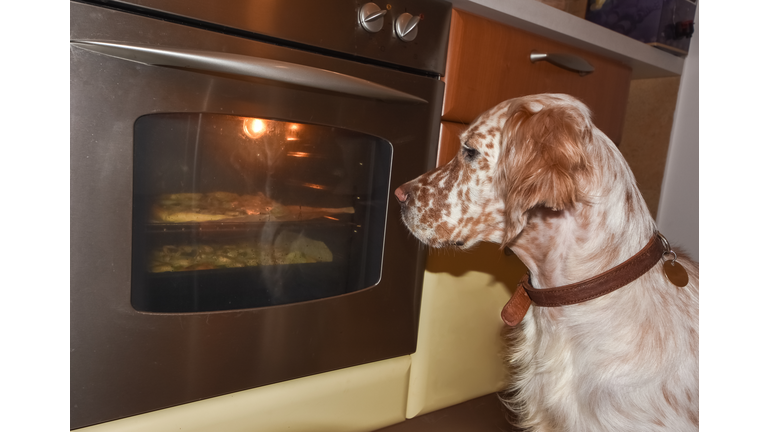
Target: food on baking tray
x: 205, y: 207
x: 287, y: 248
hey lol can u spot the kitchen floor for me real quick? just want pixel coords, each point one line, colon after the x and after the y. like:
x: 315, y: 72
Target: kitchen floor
x: 483, y: 414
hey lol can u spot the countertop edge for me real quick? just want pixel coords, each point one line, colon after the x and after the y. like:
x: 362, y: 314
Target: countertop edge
x: 546, y: 21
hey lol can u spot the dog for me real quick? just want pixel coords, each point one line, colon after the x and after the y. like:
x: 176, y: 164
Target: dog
x: 536, y: 176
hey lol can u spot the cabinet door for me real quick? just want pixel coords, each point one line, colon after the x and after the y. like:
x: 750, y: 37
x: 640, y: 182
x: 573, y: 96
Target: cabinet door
x: 489, y: 62
x: 449, y: 141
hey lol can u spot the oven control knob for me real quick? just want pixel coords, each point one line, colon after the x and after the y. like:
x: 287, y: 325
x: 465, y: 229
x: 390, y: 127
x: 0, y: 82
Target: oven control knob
x: 406, y: 27
x: 371, y: 17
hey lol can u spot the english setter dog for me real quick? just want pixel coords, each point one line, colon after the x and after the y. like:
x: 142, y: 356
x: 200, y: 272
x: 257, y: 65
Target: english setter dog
x: 535, y: 175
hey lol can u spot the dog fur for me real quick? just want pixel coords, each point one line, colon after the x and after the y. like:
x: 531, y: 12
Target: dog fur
x: 534, y: 174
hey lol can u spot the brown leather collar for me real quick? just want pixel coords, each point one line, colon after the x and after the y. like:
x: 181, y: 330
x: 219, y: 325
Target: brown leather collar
x: 594, y: 287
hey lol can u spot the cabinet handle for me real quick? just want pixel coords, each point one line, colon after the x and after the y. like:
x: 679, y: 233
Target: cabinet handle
x: 236, y: 64
x: 566, y: 61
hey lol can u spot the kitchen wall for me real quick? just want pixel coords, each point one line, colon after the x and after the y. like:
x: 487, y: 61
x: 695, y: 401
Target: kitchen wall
x: 647, y: 128
x: 678, y: 215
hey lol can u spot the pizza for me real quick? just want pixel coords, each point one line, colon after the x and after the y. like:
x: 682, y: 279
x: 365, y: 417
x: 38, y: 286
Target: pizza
x: 213, y: 206
x: 286, y: 248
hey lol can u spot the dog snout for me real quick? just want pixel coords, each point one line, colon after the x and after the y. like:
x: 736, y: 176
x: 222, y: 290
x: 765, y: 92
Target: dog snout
x: 403, y: 193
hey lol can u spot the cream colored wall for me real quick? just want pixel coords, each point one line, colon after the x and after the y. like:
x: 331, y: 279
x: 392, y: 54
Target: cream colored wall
x: 460, y: 352
x: 357, y: 399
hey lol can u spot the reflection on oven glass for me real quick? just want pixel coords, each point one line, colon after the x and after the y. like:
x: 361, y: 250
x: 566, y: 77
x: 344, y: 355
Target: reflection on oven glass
x: 233, y: 212
x: 254, y: 128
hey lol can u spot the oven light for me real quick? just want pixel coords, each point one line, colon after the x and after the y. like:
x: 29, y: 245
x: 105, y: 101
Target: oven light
x: 293, y: 133
x: 254, y: 128
x: 297, y: 154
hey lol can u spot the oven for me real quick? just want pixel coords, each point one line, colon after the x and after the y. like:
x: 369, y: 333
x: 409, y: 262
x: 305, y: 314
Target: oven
x: 232, y: 219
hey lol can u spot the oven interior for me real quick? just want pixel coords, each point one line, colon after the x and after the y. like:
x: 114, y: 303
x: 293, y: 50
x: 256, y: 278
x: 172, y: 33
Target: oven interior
x: 234, y: 212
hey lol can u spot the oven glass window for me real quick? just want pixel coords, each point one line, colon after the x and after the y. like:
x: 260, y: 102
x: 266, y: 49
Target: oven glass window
x: 233, y: 212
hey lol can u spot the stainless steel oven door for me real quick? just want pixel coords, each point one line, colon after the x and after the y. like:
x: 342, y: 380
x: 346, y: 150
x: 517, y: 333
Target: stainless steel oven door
x: 140, y: 88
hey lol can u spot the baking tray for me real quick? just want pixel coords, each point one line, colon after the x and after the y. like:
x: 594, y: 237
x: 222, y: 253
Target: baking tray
x: 245, y: 287
x: 239, y: 288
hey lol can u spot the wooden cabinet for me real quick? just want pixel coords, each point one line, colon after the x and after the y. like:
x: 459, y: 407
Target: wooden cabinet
x: 449, y: 141
x: 489, y: 62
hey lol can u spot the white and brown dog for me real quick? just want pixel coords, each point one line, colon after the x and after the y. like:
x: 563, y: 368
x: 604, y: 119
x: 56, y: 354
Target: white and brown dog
x: 535, y: 175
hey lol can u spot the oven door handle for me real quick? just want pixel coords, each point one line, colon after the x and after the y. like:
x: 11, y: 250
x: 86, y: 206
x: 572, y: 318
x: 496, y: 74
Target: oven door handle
x: 256, y: 67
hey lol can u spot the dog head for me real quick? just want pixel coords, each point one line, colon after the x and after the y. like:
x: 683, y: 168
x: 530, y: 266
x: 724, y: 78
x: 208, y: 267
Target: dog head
x: 525, y: 153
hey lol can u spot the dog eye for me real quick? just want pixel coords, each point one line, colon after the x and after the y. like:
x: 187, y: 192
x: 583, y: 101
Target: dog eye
x: 469, y: 153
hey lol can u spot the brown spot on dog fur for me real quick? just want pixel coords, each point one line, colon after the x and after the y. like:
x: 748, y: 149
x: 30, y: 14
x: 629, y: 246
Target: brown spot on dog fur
x: 444, y: 229
x: 693, y: 343
x: 670, y: 398
x: 693, y: 416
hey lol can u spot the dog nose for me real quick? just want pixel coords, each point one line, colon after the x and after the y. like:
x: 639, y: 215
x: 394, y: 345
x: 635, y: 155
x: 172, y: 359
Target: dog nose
x: 403, y: 193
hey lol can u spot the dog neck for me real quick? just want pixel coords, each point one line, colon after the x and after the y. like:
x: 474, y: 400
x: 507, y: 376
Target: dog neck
x: 571, y: 245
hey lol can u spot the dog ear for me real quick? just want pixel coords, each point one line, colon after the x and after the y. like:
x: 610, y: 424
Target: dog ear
x: 542, y: 160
